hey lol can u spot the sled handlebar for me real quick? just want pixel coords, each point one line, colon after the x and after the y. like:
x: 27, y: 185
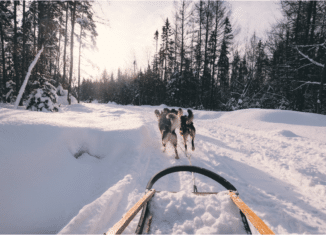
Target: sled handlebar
x: 219, y: 179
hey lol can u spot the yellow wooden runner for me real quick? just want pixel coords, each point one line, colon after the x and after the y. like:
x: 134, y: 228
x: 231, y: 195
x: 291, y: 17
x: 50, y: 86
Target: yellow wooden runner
x: 127, y: 218
x: 261, y: 227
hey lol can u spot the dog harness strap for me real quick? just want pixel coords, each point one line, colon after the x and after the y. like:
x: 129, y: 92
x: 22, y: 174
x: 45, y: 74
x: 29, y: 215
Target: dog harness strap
x: 193, y: 176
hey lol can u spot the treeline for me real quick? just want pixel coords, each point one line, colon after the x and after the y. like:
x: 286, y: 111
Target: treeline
x: 26, y: 27
x: 197, y: 64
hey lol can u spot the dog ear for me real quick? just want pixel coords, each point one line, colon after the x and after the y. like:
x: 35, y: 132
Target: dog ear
x: 180, y: 112
x: 157, y: 113
x: 166, y: 110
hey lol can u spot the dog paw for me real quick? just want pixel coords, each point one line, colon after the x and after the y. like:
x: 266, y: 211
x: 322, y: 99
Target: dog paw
x: 177, y: 157
x: 193, y: 148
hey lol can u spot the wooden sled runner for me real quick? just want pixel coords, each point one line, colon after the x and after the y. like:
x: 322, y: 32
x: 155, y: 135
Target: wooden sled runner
x: 144, y: 222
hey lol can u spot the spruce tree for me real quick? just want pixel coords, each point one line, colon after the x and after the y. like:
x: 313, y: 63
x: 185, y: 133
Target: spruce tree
x: 43, y: 97
x: 223, y: 62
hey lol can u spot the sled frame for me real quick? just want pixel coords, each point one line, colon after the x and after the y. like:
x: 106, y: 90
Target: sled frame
x: 118, y: 228
x: 226, y: 184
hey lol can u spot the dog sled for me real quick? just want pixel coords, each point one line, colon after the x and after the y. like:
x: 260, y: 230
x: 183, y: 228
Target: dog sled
x: 249, y: 220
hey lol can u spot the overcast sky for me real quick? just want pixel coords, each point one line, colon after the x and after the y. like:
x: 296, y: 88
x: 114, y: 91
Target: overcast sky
x: 130, y: 34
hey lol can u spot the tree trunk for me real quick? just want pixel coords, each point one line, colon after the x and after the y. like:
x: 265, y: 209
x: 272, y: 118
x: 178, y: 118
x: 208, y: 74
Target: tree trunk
x: 321, y: 88
x: 34, y: 38
x: 182, y: 35
x: 50, y: 68
x: 200, y: 23
x: 81, y: 30
x: 65, y: 48
x: 34, y: 32
x: 192, y: 47
x: 57, y: 67
x: 24, y: 41
x: 204, y: 79
x: 309, y: 12
x: 71, y: 50
x: 206, y: 42
x: 156, y: 39
x: 15, y: 47
x: 214, y: 54
x: 4, y: 72
x: 175, y: 65
x: 297, y: 22
x: 313, y: 22
x: 41, y: 65
x: 198, y: 56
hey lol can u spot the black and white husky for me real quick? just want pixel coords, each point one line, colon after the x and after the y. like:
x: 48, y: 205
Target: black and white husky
x: 168, y: 121
x: 187, y: 128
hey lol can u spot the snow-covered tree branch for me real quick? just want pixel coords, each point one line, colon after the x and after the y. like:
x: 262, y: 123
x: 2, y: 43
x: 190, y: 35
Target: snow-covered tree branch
x: 22, y: 88
x: 308, y: 58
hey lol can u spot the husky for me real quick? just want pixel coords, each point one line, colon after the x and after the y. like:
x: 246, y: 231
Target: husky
x: 187, y: 128
x: 168, y: 121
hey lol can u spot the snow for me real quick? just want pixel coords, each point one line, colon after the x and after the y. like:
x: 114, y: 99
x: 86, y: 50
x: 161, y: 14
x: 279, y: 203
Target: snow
x: 185, y: 212
x: 276, y: 159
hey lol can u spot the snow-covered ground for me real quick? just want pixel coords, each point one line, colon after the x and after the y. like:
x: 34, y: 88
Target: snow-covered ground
x: 276, y: 160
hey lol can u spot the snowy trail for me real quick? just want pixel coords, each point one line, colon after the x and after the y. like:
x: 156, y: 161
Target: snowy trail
x: 271, y: 173
x: 276, y: 159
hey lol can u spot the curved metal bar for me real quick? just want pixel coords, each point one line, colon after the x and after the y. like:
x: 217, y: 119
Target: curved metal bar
x: 226, y: 184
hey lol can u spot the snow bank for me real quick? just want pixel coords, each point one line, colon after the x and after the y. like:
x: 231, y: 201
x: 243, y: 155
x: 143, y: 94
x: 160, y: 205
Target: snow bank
x: 301, y: 124
x: 96, y: 216
x: 43, y: 186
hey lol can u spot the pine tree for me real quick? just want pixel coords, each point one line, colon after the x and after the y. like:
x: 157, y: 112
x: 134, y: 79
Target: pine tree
x: 223, y: 62
x: 235, y: 75
x: 43, y: 97
x: 167, y: 51
x: 223, y: 66
x: 156, y: 56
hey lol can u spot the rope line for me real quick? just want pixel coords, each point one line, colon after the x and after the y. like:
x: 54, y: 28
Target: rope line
x: 193, y: 176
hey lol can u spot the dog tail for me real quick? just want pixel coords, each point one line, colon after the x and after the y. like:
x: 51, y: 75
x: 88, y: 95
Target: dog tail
x: 157, y: 113
x: 175, y: 121
x: 190, y: 116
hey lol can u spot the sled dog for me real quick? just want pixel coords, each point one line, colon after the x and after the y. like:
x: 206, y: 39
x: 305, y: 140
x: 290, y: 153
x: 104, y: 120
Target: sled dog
x: 168, y: 121
x: 187, y: 128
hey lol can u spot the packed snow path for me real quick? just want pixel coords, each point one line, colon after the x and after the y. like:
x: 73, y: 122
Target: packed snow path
x: 276, y: 159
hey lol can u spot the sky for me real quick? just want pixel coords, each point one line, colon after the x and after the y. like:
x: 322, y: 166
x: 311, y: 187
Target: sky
x: 132, y: 24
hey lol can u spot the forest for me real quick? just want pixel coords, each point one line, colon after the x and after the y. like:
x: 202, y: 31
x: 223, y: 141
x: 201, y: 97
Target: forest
x: 196, y: 62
